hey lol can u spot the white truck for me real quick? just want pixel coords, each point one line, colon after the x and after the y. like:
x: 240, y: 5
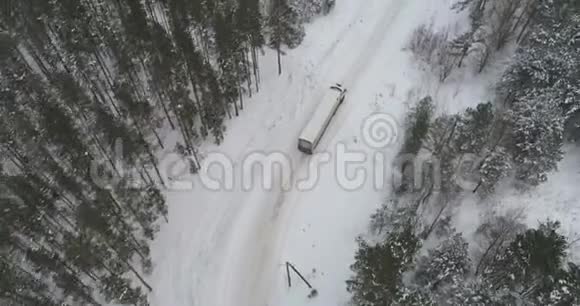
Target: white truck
x: 315, y: 128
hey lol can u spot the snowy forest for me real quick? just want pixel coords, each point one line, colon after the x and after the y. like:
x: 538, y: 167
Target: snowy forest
x: 94, y: 92
x: 78, y: 77
x: 414, y: 253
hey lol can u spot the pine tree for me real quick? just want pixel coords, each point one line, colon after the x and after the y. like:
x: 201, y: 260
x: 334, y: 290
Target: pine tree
x: 447, y: 265
x: 493, y: 236
x: 560, y: 289
x: 52, y: 157
x: 474, y: 293
x: 231, y: 71
x: 537, y: 129
x: 473, y: 129
x: 416, y: 297
x: 378, y: 269
x: 493, y: 168
x: 250, y: 23
x: 417, y: 125
x: 461, y: 46
x: 80, y: 76
x: 314, y: 8
x: 284, y: 28
x: 546, y: 64
x: 531, y: 267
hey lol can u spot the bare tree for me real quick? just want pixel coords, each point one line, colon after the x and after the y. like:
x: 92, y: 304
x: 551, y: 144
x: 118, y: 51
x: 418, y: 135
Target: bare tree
x: 493, y: 25
x: 482, y: 48
x: 433, y: 49
x: 503, y: 20
x: 495, y: 234
x: 425, y: 43
x: 461, y: 46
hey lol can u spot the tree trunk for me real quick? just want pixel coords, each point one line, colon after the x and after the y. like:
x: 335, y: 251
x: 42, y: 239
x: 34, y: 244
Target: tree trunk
x: 105, y: 71
x: 484, y: 60
x: 524, y: 29
x: 164, y: 107
x: 154, y: 163
x: 156, y: 92
x: 248, y: 72
x: 227, y: 108
x: 196, y: 159
x: 127, y: 230
x: 149, y: 152
x: 184, y: 134
x: 201, y: 106
x: 105, y: 154
x: 255, y: 67
x: 140, y: 277
x: 198, y: 105
x: 520, y: 18
x: 159, y: 141
x: 151, y: 11
x: 478, y: 185
x: 146, y: 174
x: 432, y: 227
x: 279, y: 61
x: 241, y: 96
x: 130, y: 267
x: 481, y: 260
x: 237, y: 111
x: 527, y: 24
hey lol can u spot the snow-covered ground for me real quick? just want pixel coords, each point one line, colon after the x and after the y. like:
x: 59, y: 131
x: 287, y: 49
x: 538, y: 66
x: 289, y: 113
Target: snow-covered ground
x: 229, y: 247
x: 558, y: 199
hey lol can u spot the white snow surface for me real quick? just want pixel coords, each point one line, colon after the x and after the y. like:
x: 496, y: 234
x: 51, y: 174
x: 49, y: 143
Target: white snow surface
x: 229, y: 247
x: 558, y: 199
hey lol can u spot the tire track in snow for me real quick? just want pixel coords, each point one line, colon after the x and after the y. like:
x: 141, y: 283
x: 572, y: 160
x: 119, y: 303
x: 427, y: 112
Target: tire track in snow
x: 261, y: 262
x: 247, y: 280
x: 271, y: 213
x: 328, y: 52
x: 374, y: 43
x: 350, y: 78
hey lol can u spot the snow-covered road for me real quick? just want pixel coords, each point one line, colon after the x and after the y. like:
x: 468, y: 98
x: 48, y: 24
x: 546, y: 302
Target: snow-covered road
x: 229, y: 247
